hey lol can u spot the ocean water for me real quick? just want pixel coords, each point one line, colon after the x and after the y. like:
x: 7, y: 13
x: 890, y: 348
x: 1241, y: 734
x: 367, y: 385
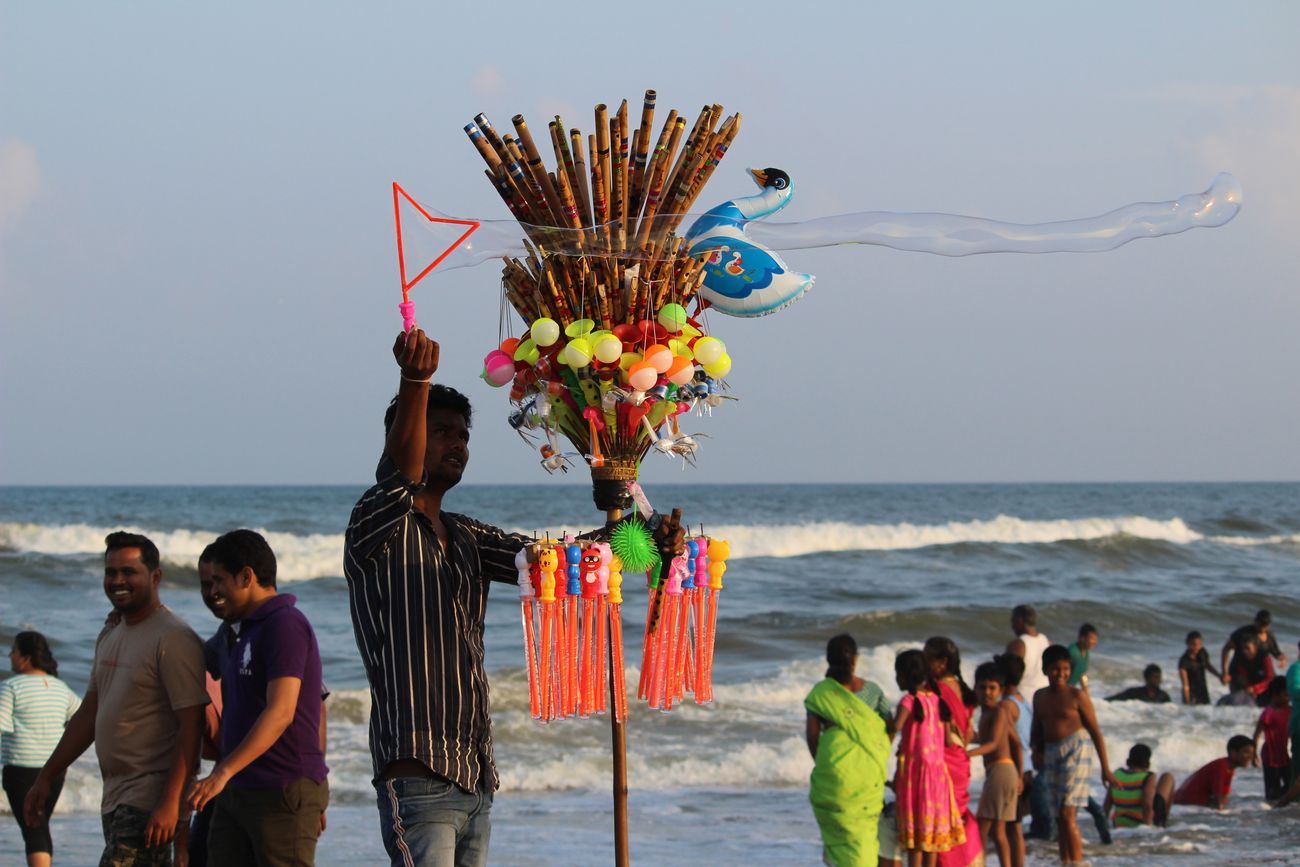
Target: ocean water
x: 727, y: 784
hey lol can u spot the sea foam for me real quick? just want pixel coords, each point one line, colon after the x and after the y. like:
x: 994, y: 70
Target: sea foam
x: 319, y: 555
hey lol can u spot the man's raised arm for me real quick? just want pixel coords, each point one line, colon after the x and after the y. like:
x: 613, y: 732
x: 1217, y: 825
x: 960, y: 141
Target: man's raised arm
x: 417, y: 357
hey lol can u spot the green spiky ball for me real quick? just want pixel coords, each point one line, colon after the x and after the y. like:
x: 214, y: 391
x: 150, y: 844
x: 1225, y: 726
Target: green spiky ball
x: 632, y: 542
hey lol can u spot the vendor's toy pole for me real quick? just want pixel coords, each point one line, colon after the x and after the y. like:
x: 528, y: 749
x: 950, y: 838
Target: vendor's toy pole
x: 618, y: 742
x: 610, y: 492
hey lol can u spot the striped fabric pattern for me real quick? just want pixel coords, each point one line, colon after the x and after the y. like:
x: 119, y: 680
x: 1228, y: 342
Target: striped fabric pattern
x: 417, y: 613
x: 34, y: 709
x: 1127, y: 797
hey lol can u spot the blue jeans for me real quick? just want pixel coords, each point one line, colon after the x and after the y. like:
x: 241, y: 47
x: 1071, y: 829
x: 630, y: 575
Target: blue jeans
x: 429, y: 822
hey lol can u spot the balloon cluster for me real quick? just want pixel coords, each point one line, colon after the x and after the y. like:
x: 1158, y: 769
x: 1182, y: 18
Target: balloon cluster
x: 615, y: 393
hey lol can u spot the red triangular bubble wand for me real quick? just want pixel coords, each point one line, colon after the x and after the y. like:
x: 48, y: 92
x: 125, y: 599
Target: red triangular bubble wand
x: 407, y: 307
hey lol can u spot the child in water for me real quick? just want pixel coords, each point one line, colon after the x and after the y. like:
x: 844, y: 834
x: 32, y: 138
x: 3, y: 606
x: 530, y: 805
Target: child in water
x: 1063, y: 721
x: 1274, y: 723
x: 1003, y: 767
x: 928, y: 819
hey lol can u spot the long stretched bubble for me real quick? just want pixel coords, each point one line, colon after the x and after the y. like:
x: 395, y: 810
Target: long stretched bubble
x: 941, y: 234
x: 955, y: 235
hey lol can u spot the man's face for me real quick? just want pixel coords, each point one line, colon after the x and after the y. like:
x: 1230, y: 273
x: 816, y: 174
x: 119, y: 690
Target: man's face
x: 207, y: 587
x: 1194, y: 646
x: 1242, y: 757
x: 1153, y: 679
x: 1087, y: 641
x: 446, y: 452
x: 231, y: 594
x: 989, y: 693
x: 1058, y: 673
x: 129, y: 585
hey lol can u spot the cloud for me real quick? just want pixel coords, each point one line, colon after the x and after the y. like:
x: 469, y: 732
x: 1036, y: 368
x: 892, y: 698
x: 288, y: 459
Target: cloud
x: 488, y: 82
x: 20, y: 179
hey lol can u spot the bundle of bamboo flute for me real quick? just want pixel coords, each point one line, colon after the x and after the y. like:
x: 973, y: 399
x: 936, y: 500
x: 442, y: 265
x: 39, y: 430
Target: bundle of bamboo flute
x: 602, y: 227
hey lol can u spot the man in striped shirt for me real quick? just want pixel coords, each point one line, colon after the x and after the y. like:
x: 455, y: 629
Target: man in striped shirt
x: 418, y: 583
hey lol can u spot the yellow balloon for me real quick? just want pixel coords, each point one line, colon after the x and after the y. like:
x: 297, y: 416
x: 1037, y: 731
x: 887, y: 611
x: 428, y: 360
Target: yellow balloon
x: 545, y: 331
x: 719, y: 368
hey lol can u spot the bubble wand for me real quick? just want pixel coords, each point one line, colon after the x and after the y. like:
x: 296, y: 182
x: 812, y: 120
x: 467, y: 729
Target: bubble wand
x: 547, y: 562
x: 602, y: 625
x: 526, y: 597
x: 587, y: 685
x: 407, y: 306
x: 618, y: 683
x: 719, y: 551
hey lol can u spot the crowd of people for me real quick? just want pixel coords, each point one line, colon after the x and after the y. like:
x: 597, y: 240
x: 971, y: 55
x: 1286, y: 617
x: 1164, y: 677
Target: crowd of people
x: 252, y: 697
x: 1037, y: 735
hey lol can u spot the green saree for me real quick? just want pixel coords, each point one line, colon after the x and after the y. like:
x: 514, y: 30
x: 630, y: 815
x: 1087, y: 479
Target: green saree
x: 848, y: 779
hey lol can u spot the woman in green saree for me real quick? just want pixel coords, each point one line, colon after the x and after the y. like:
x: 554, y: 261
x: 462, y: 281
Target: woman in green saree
x: 847, y: 735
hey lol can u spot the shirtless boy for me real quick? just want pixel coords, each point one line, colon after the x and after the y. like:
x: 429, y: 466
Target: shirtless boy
x: 1003, y: 767
x: 1063, y: 722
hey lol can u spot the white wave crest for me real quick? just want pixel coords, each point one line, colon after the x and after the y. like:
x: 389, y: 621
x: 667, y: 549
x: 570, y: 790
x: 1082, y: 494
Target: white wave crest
x: 317, y: 555
x: 298, y: 557
x: 799, y: 539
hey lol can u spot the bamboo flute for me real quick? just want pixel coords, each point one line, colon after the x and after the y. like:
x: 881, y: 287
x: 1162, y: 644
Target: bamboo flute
x: 579, y: 150
x: 641, y: 149
x: 627, y: 216
x: 538, y: 169
x: 662, y: 160
x: 601, y: 159
x: 616, y: 212
x: 600, y: 205
x: 688, y: 151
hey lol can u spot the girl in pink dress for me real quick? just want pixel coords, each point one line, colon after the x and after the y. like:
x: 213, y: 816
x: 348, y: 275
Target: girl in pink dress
x: 928, y: 819
x: 944, y: 662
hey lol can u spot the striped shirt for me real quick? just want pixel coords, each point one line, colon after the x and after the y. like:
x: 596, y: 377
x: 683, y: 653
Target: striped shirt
x: 417, y: 612
x: 34, y: 708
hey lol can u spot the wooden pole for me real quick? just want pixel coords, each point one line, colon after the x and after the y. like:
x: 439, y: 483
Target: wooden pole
x: 618, y: 742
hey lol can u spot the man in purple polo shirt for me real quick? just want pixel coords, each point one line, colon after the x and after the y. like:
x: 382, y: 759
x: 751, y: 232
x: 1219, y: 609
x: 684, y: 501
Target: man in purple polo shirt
x: 270, y: 787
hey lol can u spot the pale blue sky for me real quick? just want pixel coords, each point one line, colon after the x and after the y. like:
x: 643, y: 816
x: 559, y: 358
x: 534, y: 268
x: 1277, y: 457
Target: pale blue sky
x: 198, y: 280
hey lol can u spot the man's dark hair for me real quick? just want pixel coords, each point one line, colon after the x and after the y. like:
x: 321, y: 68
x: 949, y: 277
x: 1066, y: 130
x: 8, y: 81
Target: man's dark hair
x: 1025, y: 614
x: 1151, y: 669
x: 991, y: 671
x: 1239, y: 742
x: 840, y: 651
x: 120, y: 539
x: 440, y: 397
x: 1263, y: 617
x: 1013, y: 668
x: 1087, y: 629
x: 1055, y: 654
x: 1139, y: 756
x: 240, y: 548
x: 1191, y: 635
x: 1277, y: 686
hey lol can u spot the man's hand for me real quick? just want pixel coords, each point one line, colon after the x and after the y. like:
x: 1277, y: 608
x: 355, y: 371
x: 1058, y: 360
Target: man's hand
x: 670, y: 536
x: 323, y: 823
x: 206, y: 789
x: 416, y: 355
x: 1109, y: 780
x: 162, y: 824
x: 34, y: 806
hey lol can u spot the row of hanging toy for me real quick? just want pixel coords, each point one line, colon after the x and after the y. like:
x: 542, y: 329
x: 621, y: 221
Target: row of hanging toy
x: 613, y: 393
x: 570, y: 597
x: 681, y: 622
